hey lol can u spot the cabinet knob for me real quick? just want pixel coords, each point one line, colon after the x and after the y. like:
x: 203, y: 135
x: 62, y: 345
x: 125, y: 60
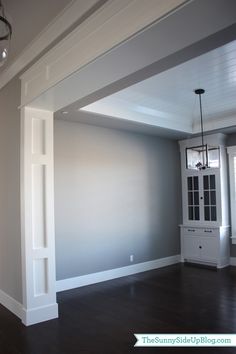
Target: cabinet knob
x: 200, y: 246
x: 201, y: 198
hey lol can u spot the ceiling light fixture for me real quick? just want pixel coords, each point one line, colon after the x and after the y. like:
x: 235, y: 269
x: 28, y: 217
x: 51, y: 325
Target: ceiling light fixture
x: 197, y: 156
x: 202, y: 156
x: 5, y: 35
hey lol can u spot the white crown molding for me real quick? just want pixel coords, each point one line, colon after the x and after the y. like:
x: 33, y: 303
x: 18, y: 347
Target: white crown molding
x: 213, y: 124
x: 94, y: 278
x: 66, y: 18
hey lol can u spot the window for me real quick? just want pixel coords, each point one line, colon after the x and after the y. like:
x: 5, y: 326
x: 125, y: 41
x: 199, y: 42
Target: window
x: 232, y: 176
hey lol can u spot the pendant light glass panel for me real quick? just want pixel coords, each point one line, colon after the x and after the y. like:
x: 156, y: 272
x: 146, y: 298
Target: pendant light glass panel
x: 213, y: 157
x: 197, y: 157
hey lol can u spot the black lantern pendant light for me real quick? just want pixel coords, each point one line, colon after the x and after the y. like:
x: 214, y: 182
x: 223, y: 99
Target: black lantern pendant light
x: 203, y: 155
x: 5, y: 35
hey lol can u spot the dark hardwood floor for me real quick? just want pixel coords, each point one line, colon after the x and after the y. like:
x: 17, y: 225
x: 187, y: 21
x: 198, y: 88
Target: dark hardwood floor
x: 101, y: 319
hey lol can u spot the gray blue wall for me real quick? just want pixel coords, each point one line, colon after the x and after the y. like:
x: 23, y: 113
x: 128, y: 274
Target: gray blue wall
x: 10, y: 237
x: 116, y: 193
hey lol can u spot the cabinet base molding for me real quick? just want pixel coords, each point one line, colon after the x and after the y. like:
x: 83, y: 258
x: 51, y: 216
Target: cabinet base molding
x: 208, y: 264
x: 200, y: 264
x: 205, y: 245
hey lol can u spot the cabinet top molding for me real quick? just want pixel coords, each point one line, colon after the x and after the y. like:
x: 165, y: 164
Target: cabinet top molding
x: 231, y: 150
x: 211, y: 139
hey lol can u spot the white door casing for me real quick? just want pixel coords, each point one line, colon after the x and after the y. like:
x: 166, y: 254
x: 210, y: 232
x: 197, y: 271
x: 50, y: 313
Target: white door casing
x: 37, y: 198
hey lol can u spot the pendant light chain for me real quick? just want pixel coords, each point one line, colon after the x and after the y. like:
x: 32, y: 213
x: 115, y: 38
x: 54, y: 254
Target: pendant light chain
x: 200, y: 103
x: 199, y: 92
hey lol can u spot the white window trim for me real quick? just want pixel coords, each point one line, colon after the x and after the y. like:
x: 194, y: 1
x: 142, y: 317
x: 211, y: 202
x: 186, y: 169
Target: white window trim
x: 232, y: 179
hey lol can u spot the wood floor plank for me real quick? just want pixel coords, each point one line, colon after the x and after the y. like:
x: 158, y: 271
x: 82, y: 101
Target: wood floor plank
x: 102, y: 318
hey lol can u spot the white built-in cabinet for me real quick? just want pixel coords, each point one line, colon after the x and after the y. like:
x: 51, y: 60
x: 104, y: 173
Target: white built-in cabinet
x: 205, y: 228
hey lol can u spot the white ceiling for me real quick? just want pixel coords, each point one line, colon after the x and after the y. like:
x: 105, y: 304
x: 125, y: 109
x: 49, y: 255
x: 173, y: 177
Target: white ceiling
x: 167, y: 100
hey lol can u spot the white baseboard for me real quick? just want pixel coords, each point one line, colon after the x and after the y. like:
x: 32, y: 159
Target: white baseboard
x: 233, y: 261
x: 39, y: 314
x: 93, y: 278
x: 11, y: 304
x: 28, y: 317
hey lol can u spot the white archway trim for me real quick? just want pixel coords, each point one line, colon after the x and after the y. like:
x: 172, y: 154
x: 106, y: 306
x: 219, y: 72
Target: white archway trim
x: 38, y: 235
x: 115, y: 22
x: 112, y: 24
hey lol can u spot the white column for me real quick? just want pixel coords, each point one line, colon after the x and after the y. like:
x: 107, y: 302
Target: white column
x: 37, y: 215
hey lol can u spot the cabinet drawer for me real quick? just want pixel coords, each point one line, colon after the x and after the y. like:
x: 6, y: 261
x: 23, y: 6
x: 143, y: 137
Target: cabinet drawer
x: 200, y: 248
x: 203, y: 231
x: 207, y: 231
x: 190, y: 231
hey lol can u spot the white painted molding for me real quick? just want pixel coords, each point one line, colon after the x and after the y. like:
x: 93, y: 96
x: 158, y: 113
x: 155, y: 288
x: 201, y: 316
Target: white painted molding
x: 28, y: 317
x: 213, y: 124
x: 94, y: 278
x: 231, y: 150
x: 37, y: 215
x: 212, y: 139
x: 62, y: 22
x: 11, y: 304
x: 107, y: 110
x: 39, y: 314
x: 91, y: 39
x: 233, y: 238
x: 233, y: 261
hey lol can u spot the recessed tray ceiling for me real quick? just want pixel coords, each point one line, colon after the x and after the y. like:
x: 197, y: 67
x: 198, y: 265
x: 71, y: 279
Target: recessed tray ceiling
x: 167, y: 100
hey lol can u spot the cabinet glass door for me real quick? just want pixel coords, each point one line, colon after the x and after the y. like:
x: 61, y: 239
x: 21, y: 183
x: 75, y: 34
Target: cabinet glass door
x: 193, y: 197
x: 209, y: 191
